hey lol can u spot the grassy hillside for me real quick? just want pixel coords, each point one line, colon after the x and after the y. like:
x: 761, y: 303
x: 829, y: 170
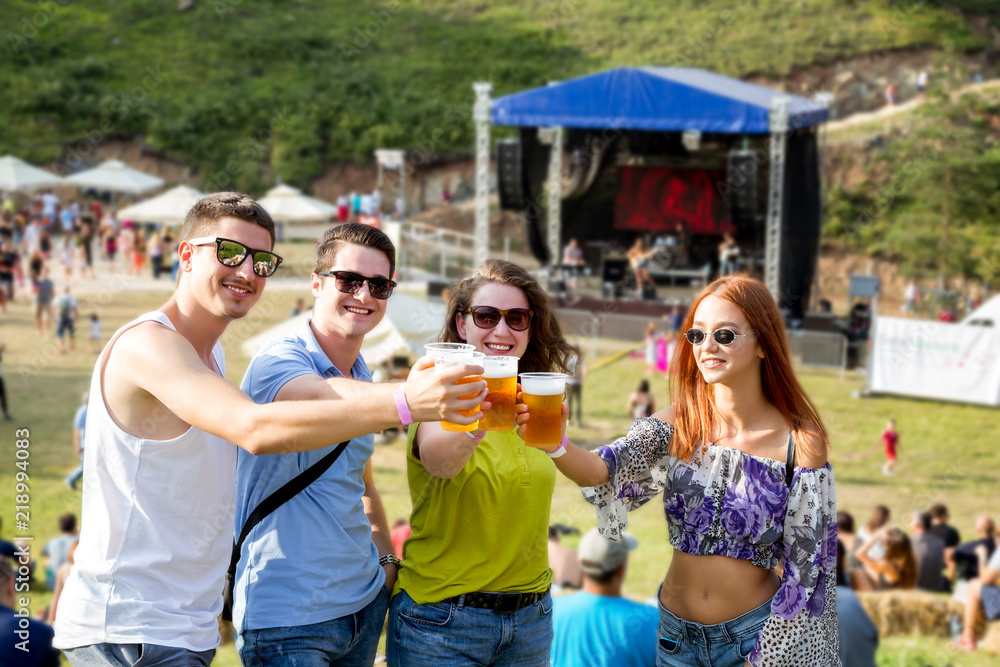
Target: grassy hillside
x: 246, y: 90
x: 921, y: 188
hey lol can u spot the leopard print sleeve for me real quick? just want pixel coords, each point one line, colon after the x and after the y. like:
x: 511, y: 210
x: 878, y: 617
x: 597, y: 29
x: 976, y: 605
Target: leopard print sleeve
x: 637, y: 465
x: 802, y: 628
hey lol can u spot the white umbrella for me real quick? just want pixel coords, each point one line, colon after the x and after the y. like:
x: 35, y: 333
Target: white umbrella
x: 16, y: 174
x: 116, y: 176
x: 171, y: 207
x: 287, y: 203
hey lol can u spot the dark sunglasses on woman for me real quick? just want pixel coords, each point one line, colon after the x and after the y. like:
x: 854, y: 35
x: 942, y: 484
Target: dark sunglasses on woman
x: 487, y: 317
x: 349, y: 282
x: 722, y: 336
x: 233, y: 253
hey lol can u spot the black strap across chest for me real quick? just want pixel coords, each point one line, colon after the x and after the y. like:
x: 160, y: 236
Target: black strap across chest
x: 790, y: 460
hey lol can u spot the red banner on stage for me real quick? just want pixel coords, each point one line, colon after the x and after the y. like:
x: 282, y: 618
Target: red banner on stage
x: 660, y: 199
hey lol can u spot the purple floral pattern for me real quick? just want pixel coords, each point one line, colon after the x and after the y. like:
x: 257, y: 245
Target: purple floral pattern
x: 727, y: 502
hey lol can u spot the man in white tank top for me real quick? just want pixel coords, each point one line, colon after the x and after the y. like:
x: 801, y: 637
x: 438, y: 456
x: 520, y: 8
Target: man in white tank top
x: 159, y: 480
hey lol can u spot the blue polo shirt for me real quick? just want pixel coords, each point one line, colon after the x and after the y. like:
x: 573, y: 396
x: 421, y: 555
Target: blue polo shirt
x: 602, y: 631
x: 311, y: 560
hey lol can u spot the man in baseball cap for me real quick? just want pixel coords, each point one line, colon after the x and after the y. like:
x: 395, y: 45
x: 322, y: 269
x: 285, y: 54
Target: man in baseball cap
x: 597, y: 626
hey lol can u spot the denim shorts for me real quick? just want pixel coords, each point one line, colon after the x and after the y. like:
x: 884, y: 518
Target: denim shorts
x: 137, y: 655
x: 449, y: 634
x: 686, y: 644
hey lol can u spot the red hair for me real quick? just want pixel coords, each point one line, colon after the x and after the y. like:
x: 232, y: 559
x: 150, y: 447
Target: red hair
x: 694, y: 399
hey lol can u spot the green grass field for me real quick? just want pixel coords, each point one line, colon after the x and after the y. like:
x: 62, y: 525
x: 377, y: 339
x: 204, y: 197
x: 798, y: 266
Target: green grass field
x: 947, y: 454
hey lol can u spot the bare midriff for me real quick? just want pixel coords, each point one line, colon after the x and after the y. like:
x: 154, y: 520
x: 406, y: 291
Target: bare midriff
x: 714, y: 589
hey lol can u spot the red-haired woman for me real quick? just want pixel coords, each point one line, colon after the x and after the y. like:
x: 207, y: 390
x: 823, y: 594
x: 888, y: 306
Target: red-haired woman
x: 741, y: 460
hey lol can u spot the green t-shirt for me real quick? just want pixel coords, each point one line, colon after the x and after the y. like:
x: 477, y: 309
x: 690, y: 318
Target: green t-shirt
x: 486, y: 529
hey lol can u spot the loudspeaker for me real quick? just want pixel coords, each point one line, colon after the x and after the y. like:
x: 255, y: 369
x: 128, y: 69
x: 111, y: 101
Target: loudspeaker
x: 614, y: 270
x: 743, y: 169
x: 510, y: 179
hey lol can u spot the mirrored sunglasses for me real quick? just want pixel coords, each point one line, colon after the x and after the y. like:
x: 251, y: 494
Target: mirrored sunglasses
x: 349, y: 282
x: 487, y: 317
x: 722, y: 336
x: 233, y: 253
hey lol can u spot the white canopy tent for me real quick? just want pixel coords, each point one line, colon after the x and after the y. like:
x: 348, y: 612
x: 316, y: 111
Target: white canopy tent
x: 170, y: 207
x: 988, y: 314
x: 116, y: 176
x: 290, y: 205
x: 16, y: 174
x: 409, y: 323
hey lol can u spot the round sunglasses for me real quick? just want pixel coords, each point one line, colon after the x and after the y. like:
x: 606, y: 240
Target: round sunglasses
x: 721, y: 336
x: 350, y: 282
x: 487, y: 317
x: 233, y: 253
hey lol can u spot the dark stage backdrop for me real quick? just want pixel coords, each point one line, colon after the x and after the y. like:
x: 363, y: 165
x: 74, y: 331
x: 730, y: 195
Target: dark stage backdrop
x: 659, y: 199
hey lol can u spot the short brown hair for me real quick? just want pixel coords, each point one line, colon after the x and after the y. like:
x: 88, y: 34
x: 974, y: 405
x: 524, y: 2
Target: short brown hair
x: 214, y: 207
x: 352, y: 232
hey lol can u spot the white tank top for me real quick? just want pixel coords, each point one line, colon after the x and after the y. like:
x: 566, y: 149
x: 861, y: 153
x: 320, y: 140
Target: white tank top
x: 157, y: 532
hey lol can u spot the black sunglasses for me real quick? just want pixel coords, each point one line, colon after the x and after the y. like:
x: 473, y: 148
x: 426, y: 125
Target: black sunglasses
x: 233, y: 253
x: 349, y: 282
x: 487, y: 317
x: 721, y: 336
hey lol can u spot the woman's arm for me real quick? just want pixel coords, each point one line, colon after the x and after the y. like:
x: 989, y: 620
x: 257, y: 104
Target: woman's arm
x: 876, y: 566
x: 443, y: 453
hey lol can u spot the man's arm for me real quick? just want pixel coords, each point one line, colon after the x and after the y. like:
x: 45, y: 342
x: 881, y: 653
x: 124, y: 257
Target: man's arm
x: 380, y: 525
x: 155, y: 361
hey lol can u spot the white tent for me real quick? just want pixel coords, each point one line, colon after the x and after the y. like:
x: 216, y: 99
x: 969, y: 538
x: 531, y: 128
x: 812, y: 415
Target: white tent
x: 116, y: 176
x: 16, y: 174
x: 409, y: 323
x: 289, y: 204
x: 170, y: 207
x: 988, y: 314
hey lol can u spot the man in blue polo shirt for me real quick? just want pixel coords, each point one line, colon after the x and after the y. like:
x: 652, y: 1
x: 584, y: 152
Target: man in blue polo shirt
x: 314, y: 577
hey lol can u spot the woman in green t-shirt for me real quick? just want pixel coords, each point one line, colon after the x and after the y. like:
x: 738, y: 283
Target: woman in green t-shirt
x: 473, y: 589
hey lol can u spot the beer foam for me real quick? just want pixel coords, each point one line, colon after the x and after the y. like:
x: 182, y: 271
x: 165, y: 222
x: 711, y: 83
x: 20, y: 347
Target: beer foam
x: 493, y: 373
x: 543, y: 386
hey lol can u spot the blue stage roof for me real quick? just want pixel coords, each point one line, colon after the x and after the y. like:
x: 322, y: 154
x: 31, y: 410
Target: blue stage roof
x: 661, y: 99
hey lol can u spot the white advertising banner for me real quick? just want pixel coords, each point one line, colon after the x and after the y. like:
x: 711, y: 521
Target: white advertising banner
x: 938, y: 360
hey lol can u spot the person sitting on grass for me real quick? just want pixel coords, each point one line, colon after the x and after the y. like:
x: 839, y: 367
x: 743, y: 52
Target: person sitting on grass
x: 896, y: 569
x: 983, y: 598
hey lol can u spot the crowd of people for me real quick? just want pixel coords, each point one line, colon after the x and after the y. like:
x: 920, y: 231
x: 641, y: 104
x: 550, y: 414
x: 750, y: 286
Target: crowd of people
x: 47, y: 245
x: 739, y: 460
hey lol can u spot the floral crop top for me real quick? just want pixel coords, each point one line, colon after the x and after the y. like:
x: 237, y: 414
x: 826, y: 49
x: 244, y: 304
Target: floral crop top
x: 727, y: 502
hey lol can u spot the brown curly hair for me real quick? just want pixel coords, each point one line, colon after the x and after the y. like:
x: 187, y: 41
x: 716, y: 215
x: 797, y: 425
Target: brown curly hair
x: 547, y: 350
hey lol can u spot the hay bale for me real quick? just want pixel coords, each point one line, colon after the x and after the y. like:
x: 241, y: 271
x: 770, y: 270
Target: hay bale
x: 990, y: 641
x: 911, y: 612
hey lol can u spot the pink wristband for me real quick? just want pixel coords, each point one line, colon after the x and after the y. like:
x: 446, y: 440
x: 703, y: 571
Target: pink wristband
x: 405, y: 418
x: 561, y: 449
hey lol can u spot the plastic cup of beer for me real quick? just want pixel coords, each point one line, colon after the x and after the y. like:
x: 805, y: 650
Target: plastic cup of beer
x: 449, y: 358
x: 432, y: 348
x: 543, y: 394
x: 500, y: 374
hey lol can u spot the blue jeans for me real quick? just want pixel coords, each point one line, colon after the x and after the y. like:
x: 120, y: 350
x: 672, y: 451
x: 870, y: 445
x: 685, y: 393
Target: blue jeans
x: 686, y: 644
x: 346, y: 641
x: 449, y: 634
x: 137, y: 655
x: 76, y: 475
